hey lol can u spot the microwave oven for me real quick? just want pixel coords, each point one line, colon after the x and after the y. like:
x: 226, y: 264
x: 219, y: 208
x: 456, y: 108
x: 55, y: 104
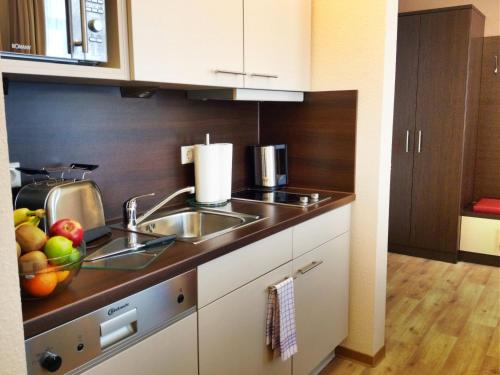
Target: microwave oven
x: 71, y: 31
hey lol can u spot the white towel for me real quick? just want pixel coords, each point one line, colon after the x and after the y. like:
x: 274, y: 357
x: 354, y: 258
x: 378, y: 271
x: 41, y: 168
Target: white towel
x: 280, y: 323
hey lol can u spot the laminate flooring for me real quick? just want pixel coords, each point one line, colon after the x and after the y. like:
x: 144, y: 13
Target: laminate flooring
x: 441, y: 318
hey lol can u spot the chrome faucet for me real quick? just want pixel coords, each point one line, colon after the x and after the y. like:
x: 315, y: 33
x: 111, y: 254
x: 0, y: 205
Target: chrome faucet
x: 131, y: 207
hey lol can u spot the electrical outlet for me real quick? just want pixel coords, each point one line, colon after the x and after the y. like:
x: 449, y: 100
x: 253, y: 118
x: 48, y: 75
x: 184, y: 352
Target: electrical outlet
x: 187, y: 154
x: 15, y: 175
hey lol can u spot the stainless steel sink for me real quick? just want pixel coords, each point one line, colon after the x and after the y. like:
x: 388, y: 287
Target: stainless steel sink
x: 196, y: 225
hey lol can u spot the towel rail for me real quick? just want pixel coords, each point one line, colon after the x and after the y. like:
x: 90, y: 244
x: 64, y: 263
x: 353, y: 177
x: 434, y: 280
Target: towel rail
x: 271, y: 287
x: 301, y: 271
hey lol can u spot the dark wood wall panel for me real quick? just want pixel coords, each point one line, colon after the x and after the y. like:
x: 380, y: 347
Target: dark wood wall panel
x: 472, y: 107
x: 321, y: 138
x: 487, y: 171
x: 136, y: 142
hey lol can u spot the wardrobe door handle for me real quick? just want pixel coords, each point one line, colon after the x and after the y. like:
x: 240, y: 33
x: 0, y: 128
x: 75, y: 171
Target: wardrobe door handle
x: 407, y: 144
x: 419, y: 149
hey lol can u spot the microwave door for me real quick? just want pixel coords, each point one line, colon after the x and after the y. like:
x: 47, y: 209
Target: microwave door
x: 34, y: 28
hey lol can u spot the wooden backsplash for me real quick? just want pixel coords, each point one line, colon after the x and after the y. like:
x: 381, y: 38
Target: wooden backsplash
x: 321, y: 138
x: 487, y: 170
x: 136, y: 142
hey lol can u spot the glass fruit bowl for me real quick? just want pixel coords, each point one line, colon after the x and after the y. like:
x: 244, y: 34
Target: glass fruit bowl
x: 41, y: 277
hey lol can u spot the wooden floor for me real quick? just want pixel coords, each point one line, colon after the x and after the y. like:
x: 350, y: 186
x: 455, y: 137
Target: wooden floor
x: 441, y: 319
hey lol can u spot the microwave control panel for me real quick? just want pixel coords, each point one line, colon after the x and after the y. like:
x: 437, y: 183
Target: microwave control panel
x: 95, y: 11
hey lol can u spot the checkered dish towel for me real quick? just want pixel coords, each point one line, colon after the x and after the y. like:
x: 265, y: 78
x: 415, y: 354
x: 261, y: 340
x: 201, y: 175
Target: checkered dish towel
x: 280, y: 322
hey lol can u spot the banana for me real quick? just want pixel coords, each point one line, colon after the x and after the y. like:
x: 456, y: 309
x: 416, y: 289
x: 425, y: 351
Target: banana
x: 22, y: 215
x: 32, y: 220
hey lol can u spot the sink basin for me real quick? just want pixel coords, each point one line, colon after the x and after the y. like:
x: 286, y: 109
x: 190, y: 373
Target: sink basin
x: 196, y: 225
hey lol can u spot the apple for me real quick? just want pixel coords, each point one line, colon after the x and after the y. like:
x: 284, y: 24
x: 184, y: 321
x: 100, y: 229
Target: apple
x: 68, y: 228
x: 58, y: 249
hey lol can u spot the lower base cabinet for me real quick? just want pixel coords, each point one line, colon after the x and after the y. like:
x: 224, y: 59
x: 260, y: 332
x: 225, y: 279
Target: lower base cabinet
x: 171, y: 351
x: 321, y: 302
x: 231, y: 320
x: 232, y: 331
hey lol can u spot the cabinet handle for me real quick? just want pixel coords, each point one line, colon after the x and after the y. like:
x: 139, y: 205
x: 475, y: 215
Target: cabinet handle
x: 407, y: 146
x: 263, y: 75
x: 308, y: 268
x: 495, y: 71
x: 419, y: 150
x: 221, y: 71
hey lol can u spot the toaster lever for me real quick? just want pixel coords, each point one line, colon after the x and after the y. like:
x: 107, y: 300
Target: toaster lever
x: 86, y: 167
x: 32, y: 171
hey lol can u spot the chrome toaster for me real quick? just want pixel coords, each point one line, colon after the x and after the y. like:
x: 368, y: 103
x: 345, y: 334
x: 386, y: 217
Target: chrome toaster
x: 78, y: 199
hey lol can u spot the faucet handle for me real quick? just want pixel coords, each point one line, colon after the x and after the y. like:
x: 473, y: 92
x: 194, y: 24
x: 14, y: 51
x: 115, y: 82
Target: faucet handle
x: 130, y: 210
x: 132, y: 202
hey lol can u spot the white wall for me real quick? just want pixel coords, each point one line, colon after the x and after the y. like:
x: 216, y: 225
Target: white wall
x: 11, y: 326
x: 354, y: 47
x: 490, y: 8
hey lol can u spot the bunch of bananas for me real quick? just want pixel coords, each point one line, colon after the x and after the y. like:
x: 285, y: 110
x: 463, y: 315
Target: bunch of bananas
x: 30, y: 236
x: 24, y: 216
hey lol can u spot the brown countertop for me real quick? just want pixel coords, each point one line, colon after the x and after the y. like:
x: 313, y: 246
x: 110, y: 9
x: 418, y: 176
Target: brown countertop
x: 93, y: 289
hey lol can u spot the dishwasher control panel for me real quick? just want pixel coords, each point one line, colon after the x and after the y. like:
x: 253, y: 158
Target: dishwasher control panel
x: 82, y: 343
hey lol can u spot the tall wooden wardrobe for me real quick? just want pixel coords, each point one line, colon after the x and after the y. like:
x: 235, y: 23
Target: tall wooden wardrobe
x: 435, y: 125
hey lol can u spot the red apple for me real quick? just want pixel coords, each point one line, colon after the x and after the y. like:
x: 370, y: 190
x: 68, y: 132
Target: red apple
x: 68, y: 228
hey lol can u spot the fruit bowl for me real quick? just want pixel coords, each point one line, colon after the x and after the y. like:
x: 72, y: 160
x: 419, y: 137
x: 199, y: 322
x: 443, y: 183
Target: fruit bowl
x: 40, y: 279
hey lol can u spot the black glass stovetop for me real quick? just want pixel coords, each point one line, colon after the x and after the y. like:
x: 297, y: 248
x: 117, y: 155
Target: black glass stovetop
x: 305, y: 199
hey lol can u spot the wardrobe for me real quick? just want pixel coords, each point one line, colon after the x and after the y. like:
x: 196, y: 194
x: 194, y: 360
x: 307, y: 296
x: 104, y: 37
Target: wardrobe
x: 438, y: 74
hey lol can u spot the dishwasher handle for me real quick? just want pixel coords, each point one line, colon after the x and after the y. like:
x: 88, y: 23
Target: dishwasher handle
x: 118, y: 328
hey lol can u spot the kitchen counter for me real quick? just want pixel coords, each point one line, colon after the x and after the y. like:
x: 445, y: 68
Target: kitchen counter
x: 93, y: 289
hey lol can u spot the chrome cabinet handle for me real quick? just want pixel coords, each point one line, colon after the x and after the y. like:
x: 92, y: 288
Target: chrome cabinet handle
x: 310, y: 267
x: 419, y: 150
x: 222, y: 71
x: 495, y: 71
x: 407, y: 146
x: 263, y: 75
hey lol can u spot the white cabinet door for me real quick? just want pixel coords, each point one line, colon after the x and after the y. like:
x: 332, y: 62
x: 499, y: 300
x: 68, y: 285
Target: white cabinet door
x: 232, y: 331
x: 312, y: 233
x: 187, y: 41
x: 278, y: 44
x: 171, y: 351
x: 229, y: 272
x: 322, y: 299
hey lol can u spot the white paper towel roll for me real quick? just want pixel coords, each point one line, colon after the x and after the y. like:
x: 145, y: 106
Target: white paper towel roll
x: 213, y: 171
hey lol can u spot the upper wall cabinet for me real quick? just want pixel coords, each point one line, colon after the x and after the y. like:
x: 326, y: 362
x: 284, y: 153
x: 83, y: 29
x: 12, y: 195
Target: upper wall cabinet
x: 115, y: 69
x: 193, y: 42
x: 277, y: 44
x: 226, y: 43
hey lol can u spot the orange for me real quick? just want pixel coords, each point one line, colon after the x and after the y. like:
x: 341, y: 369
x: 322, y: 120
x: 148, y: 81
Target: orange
x: 62, y: 275
x: 41, y: 285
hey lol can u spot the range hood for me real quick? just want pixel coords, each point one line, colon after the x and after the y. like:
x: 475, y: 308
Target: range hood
x: 253, y: 95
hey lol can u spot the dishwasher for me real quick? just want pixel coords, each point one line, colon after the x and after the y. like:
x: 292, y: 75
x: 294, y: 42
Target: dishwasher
x: 151, y: 332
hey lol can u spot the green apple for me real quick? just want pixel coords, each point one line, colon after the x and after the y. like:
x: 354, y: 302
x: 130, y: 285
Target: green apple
x: 74, y: 256
x: 58, y: 249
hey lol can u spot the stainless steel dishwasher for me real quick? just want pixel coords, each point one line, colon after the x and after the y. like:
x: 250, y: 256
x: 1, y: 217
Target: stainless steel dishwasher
x: 151, y: 332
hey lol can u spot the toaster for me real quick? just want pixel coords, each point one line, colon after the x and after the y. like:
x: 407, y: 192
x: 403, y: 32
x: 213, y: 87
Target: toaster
x: 80, y: 200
